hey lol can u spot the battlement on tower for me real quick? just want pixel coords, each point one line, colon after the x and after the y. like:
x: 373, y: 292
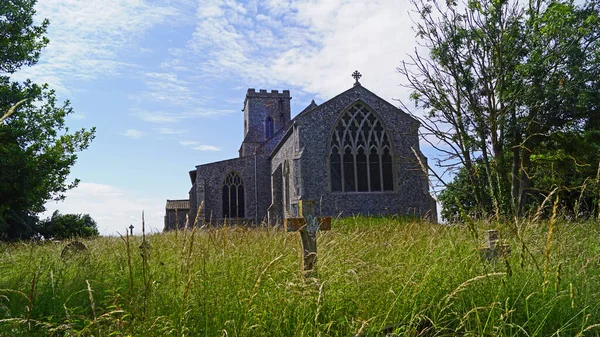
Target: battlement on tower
x: 265, y: 113
x: 262, y: 93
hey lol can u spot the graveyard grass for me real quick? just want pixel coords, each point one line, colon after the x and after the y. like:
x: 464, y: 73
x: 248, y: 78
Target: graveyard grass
x: 375, y: 276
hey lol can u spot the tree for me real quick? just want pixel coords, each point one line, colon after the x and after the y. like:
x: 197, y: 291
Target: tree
x: 556, y: 86
x: 457, y: 198
x: 37, y: 150
x: 20, y: 41
x: 65, y: 226
x: 501, y: 83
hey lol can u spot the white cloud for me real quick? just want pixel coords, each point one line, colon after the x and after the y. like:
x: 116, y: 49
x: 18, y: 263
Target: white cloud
x: 313, y: 45
x: 197, y: 146
x: 168, y: 88
x: 89, y: 37
x: 187, y: 142
x: 206, y: 148
x: 132, y: 133
x: 170, y: 131
x: 165, y: 116
x: 114, y: 209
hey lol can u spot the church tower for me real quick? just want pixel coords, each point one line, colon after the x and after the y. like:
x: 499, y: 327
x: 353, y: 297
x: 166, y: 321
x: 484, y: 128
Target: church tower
x: 265, y: 113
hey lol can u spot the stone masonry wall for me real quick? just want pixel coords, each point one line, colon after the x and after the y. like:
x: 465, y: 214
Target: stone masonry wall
x: 306, y: 151
x: 209, y: 180
x: 410, y: 195
x: 175, y: 219
x: 259, y: 105
x: 209, y: 183
x: 287, y: 152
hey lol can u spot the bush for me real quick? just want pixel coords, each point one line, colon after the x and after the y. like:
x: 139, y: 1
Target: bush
x: 63, y: 226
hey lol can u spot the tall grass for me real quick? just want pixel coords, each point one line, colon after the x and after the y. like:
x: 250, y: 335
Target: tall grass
x: 375, y: 276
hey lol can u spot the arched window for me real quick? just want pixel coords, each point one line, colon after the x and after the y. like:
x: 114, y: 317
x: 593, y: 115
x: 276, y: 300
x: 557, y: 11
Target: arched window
x: 269, y: 127
x: 286, y: 185
x: 360, y: 154
x: 233, y: 196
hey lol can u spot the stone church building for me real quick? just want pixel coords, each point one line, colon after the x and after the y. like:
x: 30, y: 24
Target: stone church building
x: 354, y: 153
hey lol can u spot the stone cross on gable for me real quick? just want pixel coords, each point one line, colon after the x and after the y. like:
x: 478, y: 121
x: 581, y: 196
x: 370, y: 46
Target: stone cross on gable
x: 356, y: 76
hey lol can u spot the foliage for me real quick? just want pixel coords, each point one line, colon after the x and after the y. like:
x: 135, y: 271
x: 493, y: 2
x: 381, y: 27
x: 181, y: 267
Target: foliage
x: 561, y: 165
x: 65, y: 226
x: 20, y: 40
x: 36, y: 148
x: 504, y: 85
x: 457, y: 198
x: 374, y: 275
x: 566, y: 161
x: 36, y: 153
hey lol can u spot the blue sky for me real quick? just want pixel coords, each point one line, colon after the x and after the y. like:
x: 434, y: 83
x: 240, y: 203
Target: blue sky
x: 164, y: 83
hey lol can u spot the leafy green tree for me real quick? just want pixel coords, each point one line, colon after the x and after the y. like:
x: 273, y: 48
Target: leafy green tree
x: 555, y: 87
x: 64, y: 226
x: 457, y: 198
x: 37, y: 150
x: 503, y: 86
x: 21, y: 42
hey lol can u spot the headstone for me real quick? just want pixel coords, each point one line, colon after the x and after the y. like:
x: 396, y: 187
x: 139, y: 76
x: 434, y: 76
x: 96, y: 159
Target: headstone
x: 75, y: 248
x: 491, y: 237
x: 492, y: 249
x: 308, y: 226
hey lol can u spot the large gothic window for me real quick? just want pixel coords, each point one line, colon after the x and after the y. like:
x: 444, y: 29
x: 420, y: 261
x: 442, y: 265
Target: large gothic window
x: 233, y: 196
x: 269, y: 127
x: 360, y: 154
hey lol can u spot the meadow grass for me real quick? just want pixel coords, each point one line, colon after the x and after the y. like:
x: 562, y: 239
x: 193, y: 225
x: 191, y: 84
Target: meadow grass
x: 375, y: 276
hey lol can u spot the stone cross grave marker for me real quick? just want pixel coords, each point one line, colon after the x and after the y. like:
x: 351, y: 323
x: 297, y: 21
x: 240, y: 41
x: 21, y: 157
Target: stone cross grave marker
x: 492, y: 249
x: 308, y: 226
x: 131, y: 229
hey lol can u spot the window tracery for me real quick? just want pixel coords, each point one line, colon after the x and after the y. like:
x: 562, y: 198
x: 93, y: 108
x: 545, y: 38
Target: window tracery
x: 233, y: 196
x: 360, y: 154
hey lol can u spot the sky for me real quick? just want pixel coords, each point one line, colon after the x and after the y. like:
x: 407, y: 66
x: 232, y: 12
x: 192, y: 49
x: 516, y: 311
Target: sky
x: 164, y: 82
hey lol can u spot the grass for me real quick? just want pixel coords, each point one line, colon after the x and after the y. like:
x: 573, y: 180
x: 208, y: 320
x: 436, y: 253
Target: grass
x: 375, y: 276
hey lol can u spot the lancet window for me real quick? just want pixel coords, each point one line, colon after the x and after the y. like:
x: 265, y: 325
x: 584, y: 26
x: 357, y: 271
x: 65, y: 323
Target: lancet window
x: 233, y: 196
x: 360, y: 154
x: 269, y: 127
x: 286, y: 184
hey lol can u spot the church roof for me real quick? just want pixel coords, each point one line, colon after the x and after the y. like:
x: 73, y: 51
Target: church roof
x: 178, y: 204
x: 313, y: 107
x: 355, y: 90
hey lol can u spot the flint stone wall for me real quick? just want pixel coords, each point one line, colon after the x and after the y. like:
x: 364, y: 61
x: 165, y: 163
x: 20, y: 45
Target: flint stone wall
x: 312, y: 134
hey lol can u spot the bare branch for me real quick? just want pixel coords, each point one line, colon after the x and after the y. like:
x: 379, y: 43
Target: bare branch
x: 12, y: 110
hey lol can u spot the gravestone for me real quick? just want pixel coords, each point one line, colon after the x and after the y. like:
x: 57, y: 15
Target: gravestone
x: 74, y: 249
x: 308, y: 226
x: 492, y: 249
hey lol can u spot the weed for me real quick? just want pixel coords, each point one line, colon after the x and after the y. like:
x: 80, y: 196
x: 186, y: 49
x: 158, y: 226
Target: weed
x: 377, y: 275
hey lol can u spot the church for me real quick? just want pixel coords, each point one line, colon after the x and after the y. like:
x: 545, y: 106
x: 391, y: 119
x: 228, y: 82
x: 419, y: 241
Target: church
x: 353, y: 154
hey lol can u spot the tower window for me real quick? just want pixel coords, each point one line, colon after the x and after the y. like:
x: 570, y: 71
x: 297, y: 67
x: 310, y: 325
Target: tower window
x: 269, y: 127
x: 360, y: 155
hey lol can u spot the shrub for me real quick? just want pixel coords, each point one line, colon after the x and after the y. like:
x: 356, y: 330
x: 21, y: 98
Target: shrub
x: 63, y: 226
